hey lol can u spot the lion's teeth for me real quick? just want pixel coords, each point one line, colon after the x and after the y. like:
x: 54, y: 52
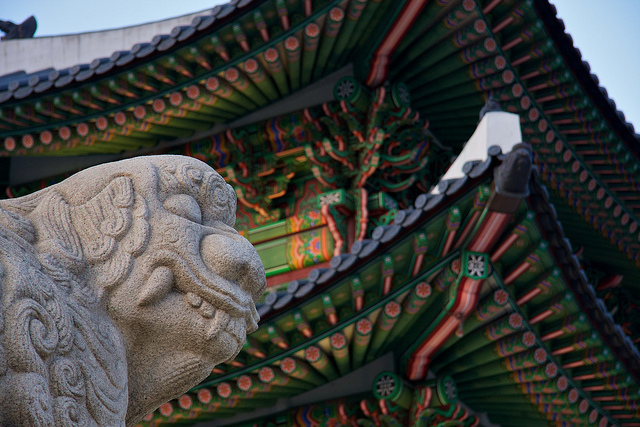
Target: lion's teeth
x: 207, y: 310
x: 194, y: 300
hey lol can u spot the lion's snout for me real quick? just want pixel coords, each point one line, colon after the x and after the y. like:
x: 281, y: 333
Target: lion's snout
x: 236, y: 260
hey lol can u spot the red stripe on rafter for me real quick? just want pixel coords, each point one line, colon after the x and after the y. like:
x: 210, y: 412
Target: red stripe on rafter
x: 540, y: 317
x: 380, y: 63
x: 528, y: 296
x: 490, y: 231
x: 502, y: 249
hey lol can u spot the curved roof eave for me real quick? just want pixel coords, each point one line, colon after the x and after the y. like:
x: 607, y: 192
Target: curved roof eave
x: 582, y: 72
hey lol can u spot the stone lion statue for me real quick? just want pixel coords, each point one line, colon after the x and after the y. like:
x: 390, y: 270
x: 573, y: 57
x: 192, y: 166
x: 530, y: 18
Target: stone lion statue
x: 120, y: 288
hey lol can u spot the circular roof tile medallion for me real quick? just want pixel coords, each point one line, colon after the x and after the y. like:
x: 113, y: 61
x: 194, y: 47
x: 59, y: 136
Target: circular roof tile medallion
x: 567, y: 156
x: 500, y: 62
x: 517, y: 91
x: 166, y: 409
x: 468, y: 5
x: 608, y: 202
x: 27, y: 141
x: 291, y: 43
x: 508, y: 77
x: 480, y: 26
x: 533, y: 114
x: 244, y: 382
x: 600, y: 193
x: 423, y: 290
x: 185, y: 401
x: 550, y: 137
x: 212, y: 84
x: 593, y: 416
x: 617, y: 211
x: 139, y: 112
x: 102, y: 123
x: 266, y: 374
x: 251, y: 66
x: 562, y: 383
x: 224, y: 390
x: 583, y: 176
x: 575, y: 166
x: 271, y: 55
x: 312, y: 354
x: 204, y: 395
x: 364, y: 327
x: 392, y: 309
x: 64, y: 132
x: 515, y: 320
x: 193, y: 91
x: 338, y: 341
x: 603, y: 422
x: 633, y: 227
x: 336, y: 14
x: 312, y: 30
x: 558, y: 147
x: 159, y: 105
x: 500, y: 297
x: 288, y: 365
x: 525, y: 103
x: 584, y: 405
x: 624, y: 220
x: 175, y: 99
x: 573, y: 396
x: 529, y: 339
x: 120, y: 118
x: 232, y: 74
x: 9, y: 144
x: 540, y: 355
x: 82, y: 129
x: 46, y: 137
x: 543, y: 125
x: 551, y: 370
x: 490, y: 44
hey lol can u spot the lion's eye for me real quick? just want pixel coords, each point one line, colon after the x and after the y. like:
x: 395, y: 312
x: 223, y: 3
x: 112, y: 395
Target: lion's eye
x: 185, y: 206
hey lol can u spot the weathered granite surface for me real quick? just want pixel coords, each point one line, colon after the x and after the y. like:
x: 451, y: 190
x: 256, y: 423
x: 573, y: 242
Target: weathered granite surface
x: 121, y: 288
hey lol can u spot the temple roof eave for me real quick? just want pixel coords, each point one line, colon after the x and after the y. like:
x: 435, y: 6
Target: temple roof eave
x: 582, y: 72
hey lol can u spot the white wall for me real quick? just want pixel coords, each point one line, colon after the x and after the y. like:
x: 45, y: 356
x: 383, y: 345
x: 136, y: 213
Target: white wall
x: 68, y: 50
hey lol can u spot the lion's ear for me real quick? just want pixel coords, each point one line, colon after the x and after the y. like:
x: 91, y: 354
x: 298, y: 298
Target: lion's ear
x: 19, y: 224
x: 56, y: 234
x: 104, y: 219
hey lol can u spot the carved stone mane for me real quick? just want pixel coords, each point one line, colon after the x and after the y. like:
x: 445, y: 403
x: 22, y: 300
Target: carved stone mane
x: 120, y: 289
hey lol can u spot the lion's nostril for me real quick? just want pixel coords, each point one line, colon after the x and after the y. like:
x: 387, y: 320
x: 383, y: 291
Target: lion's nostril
x: 236, y: 260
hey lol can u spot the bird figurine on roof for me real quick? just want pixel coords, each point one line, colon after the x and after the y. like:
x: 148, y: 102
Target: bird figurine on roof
x: 491, y: 105
x: 25, y: 30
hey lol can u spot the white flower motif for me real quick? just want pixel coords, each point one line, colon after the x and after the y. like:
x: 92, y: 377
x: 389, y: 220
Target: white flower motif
x: 386, y: 385
x: 475, y: 265
x: 329, y: 199
x: 404, y: 95
x: 345, y: 89
x: 450, y: 390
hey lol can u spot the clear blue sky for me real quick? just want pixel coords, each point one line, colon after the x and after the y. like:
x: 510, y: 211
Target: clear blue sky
x: 607, y: 32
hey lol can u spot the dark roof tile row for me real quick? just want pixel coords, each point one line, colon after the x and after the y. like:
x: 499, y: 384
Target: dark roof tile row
x: 20, y: 84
